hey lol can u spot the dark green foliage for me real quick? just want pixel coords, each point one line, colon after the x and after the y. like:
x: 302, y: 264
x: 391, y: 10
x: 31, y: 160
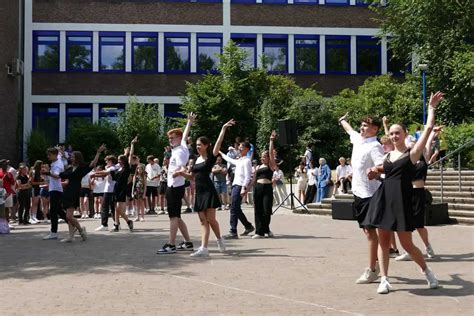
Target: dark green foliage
x: 36, y: 146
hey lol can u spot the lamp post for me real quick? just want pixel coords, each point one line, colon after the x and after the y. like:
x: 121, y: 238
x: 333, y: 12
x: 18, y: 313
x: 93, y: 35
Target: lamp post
x: 423, y: 68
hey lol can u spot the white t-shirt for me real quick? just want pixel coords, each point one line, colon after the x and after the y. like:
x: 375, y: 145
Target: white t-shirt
x: 109, y: 182
x: 312, y: 173
x: 99, y: 185
x: 55, y: 184
x: 366, y: 153
x: 243, y: 170
x: 179, y: 158
x: 86, y: 180
x: 278, y: 175
x: 152, y: 170
x: 343, y: 171
x: 308, y: 154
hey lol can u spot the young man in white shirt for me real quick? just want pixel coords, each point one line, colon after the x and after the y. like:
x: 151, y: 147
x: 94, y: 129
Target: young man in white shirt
x: 55, y: 192
x: 176, y: 189
x: 153, y: 172
x: 108, y: 199
x: 366, y: 153
x: 343, y: 174
x: 240, y: 187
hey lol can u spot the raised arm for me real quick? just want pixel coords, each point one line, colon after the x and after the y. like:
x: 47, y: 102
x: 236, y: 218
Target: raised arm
x: 228, y: 159
x: 132, y: 149
x: 385, y: 125
x: 187, y: 130
x: 347, y: 127
x: 417, y: 150
x: 271, y: 151
x: 97, y: 155
x: 427, y: 151
x: 220, y: 139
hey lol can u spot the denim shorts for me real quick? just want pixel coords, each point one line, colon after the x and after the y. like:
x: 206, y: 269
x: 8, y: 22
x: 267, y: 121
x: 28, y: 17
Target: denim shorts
x: 221, y: 187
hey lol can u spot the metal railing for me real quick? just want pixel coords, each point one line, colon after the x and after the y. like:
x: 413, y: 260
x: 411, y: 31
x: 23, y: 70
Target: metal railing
x: 458, y: 151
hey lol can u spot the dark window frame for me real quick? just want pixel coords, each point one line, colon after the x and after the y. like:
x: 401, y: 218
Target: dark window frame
x: 74, y: 42
x: 239, y: 36
x: 348, y: 46
x: 186, y: 35
x: 148, y: 44
x: 377, y: 46
x: 276, y: 36
x: 36, y: 42
x: 220, y: 45
x: 310, y: 37
x: 118, y: 35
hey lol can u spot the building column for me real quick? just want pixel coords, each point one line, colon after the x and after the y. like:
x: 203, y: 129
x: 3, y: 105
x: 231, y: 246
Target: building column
x: 352, y: 2
x: 322, y: 54
x: 28, y: 59
x: 226, y: 7
x: 62, y: 51
x: 353, y: 57
x: 128, y: 51
x: 95, y: 113
x: 259, y: 49
x: 291, y: 53
x: 383, y: 56
x: 193, y: 57
x: 62, y: 122
x: 161, y: 52
x: 321, y: 2
x: 95, y: 51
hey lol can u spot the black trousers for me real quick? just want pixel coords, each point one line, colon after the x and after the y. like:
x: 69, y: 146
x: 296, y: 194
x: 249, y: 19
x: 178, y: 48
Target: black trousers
x: 108, y: 204
x: 24, y: 199
x: 310, y: 194
x: 345, y: 183
x: 236, y: 213
x: 56, y: 209
x: 263, y: 202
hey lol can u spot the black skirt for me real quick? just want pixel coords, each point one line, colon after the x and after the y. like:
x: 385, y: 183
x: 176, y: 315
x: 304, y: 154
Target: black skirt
x: 206, y: 200
x: 419, y: 204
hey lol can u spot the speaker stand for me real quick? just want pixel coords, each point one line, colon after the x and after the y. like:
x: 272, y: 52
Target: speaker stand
x: 290, y: 196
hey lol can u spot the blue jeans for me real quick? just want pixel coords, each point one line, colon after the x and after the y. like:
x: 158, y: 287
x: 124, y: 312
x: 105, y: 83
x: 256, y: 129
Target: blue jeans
x: 322, y: 193
x: 236, y: 213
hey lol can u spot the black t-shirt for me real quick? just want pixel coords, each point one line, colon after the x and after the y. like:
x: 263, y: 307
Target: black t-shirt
x: 74, y: 177
x: 202, y: 173
x: 23, y: 180
x: 121, y: 178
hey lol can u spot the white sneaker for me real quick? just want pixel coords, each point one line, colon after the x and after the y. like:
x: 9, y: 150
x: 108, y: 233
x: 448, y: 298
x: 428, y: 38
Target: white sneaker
x: 67, y: 239
x: 201, y: 252
x: 270, y: 234
x: 368, y: 276
x: 61, y: 221
x: 83, y: 233
x: 51, y: 236
x: 97, y: 216
x: 430, y: 252
x: 11, y: 226
x: 47, y: 221
x: 127, y: 212
x: 403, y: 257
x: 102, y: 228
x: 32, y: 221
x: 162, y: 212
x: 221, y: 244
x: 142, y: 219
x: 384, y: 286
x: 257, y: 236
x: 431, y: 278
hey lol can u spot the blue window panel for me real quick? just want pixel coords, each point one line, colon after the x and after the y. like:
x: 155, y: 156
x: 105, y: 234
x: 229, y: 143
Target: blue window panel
x: 173, y: 111
x: 77, y: 115
x: 110, y: 112
x: 209, y: 49
x: 243, y: 1
x: 368, y: 56
x: 338, y: 50
x: 306, y: 54
x: 46, y: 119
x: 337, y: 2
x: 275, y: 1
x: 306, y: 2
x: 145, y: 52
x: 46, y: 51
x: 275, y: 50
x: 112, y: 52
x: 177, y: 52
x: 364, y: 3
x: 79, y: 51
x: 247, y: 42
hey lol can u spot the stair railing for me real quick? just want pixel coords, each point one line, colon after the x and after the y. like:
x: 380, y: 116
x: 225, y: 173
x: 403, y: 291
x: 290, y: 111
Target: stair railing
x: 458, y: 151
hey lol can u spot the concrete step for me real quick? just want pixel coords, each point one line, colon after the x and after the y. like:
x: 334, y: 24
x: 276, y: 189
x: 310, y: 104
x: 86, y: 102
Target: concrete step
x: 312, y: 211
x: 322, y: 206
x: 450, y: 183
x: 451, y: 172
x: 454, y: 200
x: 435, y: 191
x: 467, y: 207
x: 463, y: 220
x: 449, y: 178
x: 461, y: 213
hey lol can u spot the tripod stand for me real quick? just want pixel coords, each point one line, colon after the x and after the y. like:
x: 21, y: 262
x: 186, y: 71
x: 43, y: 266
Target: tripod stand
x: 290, y: 196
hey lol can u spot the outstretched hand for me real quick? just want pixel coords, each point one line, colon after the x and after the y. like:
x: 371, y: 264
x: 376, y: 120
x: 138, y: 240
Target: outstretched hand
x: 344, y: 117
x: 435, y: 99
x: 274, y: 135
x: 102, y: 148
x: 385, y: 120
x: 135, y: 140
x: 229, y: 123
x: 192, y: 117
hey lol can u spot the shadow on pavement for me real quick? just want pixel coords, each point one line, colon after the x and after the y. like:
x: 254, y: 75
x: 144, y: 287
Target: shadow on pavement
x: 462, y: 287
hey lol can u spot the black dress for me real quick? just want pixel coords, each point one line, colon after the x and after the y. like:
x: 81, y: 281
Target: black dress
x: 206, y: 194
x: 419, y: 195
x: 121, y: 185
x: 391, y: 206
x: 72, y: 192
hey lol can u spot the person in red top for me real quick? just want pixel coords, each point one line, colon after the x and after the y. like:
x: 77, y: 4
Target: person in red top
x: 8, y: 185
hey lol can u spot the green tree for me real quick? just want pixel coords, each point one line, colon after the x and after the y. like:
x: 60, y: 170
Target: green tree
x: 146, y: 121
x: 439, y: 32
x: 36, y: 145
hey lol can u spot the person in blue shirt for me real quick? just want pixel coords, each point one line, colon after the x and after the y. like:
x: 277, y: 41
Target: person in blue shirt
x: 324, y: 175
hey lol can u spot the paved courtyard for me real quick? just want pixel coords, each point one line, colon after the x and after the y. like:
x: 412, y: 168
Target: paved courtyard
x: 308, y: 269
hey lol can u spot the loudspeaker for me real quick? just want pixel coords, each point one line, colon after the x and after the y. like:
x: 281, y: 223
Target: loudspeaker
x: 287, y: 132
x: 436, y: 214
x: 343, y: 210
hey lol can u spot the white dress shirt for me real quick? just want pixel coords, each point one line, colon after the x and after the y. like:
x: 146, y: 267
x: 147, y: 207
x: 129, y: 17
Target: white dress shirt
x: 179, y: 158
x: 152, y: 170
x: 366, y: 153
x: 55, y: 183
x: 243, y: 170
x: 343, y: 171
x: 312, y: 174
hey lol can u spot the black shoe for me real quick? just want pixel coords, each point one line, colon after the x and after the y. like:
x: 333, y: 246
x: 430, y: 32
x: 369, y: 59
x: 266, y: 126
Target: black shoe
x: 248, y: 231
x: 394, y: 253
x: 116, y: 229
x: 185, y: 246
x: 188, y: 210
x: 151, y: 212
x: 166, y: 249
x: 130, y: 225
x: 231, y: 236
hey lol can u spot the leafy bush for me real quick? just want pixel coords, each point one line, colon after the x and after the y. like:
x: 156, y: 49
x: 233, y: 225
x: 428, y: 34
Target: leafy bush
x: 457, y: 136
x: 36, y: 145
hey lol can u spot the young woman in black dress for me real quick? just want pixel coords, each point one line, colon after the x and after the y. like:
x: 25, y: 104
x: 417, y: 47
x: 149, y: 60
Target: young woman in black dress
x: 391, y: 207
x: 207, y: 200
x: 72, y: 190
x: 263, y: 192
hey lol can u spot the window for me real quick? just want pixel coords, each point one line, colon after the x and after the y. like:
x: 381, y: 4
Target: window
x: 395, y: 64
x: 243, y: 1
x: 306, y: 53
x: 79, y: 51
x: 112, y: 51
x: 275, y: 51
x: 145, y: 52
x: 368, y: 56
x: 77, y: 115
x: 248, y: 42
x: 275, y: 1
x: 46, y: 51
x: 338, y: 50
x: 110, y: 112
x: 306, y: 1
x: 337, y: 2
x: 173, y: 111
x: 209, y: 48
x: 177, y: 52
x: 46, y: 119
